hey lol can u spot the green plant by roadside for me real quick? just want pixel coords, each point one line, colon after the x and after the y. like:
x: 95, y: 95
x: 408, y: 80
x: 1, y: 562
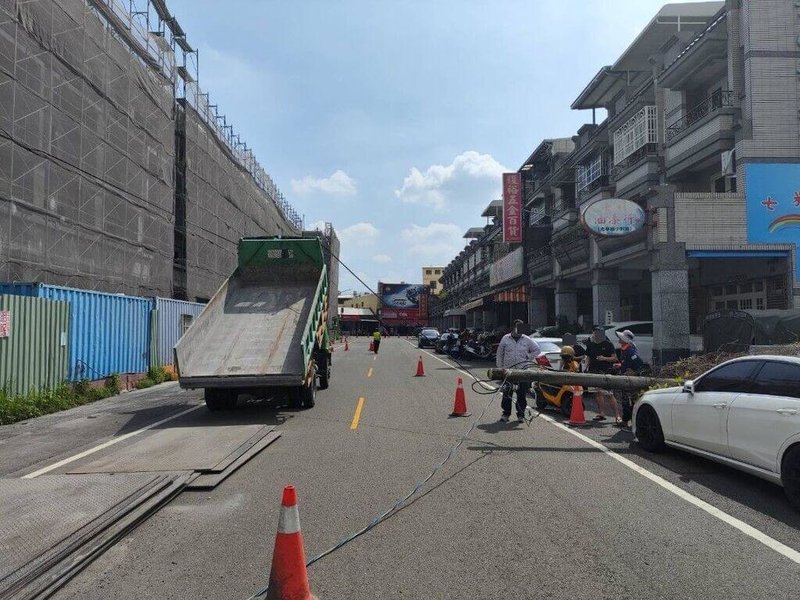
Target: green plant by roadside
x: 145, y: 383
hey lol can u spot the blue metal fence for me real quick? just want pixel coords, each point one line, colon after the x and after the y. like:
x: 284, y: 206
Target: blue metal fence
x: 173, y: 317
x: 109, y: 333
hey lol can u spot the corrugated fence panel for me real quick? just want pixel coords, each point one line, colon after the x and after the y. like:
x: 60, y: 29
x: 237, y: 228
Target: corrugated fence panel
x: 173, y: 317
x: 34, y: 355
x: 109, y: 333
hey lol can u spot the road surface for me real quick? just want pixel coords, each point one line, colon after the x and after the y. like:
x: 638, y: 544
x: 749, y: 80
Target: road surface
x: 518, y: 512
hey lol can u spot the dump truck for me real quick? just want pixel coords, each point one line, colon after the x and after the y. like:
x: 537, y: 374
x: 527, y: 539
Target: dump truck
x: 265, y: 331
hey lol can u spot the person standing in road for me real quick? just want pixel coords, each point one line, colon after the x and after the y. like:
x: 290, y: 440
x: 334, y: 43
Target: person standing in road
x: 516, y: 351
x: 376, y: 340
x: 630, y: 363
x: 601, y: 359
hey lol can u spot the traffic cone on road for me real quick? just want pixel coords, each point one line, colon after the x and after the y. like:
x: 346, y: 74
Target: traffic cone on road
x: 576, y: 414
x: 420, y: 368
x: 288, y: 578
x: 460, y: 404
x: 346, y: 345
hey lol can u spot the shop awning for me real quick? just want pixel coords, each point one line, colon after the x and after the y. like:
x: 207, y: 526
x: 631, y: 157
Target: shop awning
x: 455, y: 312
x: 517, y: 294
x: 737, y: 253
x: 474, y: 304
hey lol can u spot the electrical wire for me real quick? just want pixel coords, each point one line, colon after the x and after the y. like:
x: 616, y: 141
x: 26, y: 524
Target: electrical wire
x: 405, y: 500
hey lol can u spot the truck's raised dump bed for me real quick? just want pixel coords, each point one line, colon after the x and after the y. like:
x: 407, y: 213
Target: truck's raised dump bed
x: 261, y: 326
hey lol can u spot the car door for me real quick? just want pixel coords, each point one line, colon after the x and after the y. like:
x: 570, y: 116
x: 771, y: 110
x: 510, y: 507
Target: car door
x: 760, y: 421
x: 700, y: 418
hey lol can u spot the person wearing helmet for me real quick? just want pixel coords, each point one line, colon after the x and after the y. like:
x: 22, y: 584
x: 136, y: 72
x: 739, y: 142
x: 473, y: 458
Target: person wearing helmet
x: 568, y: 362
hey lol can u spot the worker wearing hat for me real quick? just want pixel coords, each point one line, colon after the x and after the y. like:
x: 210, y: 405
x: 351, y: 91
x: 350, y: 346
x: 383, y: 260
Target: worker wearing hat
x: 629, y: 362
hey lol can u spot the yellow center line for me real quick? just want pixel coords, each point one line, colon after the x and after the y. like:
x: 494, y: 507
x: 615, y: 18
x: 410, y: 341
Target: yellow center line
x: 357, y: 416
x: 369, y: 373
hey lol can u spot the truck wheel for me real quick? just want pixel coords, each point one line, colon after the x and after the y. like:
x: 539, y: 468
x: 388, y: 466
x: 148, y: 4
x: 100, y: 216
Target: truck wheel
x: 308, y: 394
x: 323, y: 369
x: 219, y: 399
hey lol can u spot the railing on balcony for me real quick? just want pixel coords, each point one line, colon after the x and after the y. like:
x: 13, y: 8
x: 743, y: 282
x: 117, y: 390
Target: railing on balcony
x: 716, y: 101
x: 646, y: 150
x: 637, y: 132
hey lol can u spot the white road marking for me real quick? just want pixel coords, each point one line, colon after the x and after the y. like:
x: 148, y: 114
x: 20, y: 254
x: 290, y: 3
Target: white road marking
x: 110, y: 442
x: 743, y: 527
x: 748, y: 530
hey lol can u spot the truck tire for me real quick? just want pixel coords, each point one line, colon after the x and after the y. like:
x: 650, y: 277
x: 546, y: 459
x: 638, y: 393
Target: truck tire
x: 220, y: 399
x: 308, y: 393
x: 324, y: 369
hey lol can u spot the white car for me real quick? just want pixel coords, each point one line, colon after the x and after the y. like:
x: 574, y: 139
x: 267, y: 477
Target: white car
x: 642, y: 333
x: 551, y: 348
x: 744, y: 413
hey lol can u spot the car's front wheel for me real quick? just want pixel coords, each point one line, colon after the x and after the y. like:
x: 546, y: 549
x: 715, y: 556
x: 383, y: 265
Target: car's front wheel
x: 648, y: 429
x: 790, y: 476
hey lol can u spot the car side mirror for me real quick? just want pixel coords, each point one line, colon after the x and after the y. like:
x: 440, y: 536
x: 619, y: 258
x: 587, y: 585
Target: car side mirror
x: 688, y: 387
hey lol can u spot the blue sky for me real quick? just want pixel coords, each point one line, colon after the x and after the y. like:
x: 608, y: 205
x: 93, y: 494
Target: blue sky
x: 394, y: 120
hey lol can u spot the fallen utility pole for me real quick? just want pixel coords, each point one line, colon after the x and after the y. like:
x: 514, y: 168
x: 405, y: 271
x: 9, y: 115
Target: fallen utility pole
x: 609, y: 382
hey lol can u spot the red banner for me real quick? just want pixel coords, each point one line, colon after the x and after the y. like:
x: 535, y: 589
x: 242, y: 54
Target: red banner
x: 512, y: 208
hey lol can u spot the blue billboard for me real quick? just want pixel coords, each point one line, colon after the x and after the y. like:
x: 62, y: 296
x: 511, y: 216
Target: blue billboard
x: 772, y: 194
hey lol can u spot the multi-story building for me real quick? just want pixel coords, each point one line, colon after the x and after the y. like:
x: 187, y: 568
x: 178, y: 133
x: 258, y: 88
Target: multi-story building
x: 432, y: 277
x: 702, y: 135
x: 368, y: 301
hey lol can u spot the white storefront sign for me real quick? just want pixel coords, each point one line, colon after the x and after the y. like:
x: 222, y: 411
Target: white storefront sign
x: 508, y: 267
x: 613, y: 217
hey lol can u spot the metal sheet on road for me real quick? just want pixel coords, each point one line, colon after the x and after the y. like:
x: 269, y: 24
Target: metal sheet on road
x: 38, y: 515
x: 207, y: 449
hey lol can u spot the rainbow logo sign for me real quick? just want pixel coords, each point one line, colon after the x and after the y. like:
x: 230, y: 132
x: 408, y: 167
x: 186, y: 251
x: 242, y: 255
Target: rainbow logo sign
x: 784, y: 221
x: 773, y: 204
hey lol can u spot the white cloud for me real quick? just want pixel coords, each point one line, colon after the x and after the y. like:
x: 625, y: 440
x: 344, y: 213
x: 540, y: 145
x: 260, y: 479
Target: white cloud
x: 436, y: 242
x: 359, y: 234
x: 338, y: 184
x: 438, y: 185
x: 382, y: 258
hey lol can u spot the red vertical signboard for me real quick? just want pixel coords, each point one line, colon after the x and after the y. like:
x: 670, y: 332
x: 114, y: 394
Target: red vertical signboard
x: 512, y: 208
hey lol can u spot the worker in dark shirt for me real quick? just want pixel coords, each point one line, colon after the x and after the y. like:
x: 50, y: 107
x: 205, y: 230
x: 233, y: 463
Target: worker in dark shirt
x: 601, y: 358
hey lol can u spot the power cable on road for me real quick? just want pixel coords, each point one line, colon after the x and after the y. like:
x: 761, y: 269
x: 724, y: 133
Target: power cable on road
x: 408, y: 498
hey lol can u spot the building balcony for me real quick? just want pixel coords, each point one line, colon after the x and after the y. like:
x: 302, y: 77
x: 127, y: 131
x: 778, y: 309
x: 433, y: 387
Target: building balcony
x: 540, y: 263
x: 695, y: 141
x: 571, y: 247
x: 637, y: 172
x: 638, y: 132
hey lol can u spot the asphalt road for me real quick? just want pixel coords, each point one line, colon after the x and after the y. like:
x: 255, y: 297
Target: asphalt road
x: 518, y: 512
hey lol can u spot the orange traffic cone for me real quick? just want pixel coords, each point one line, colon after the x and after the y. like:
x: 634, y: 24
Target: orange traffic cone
x: 288, y: 578
x: 576, y: 414
x: 420, y: 368
x: 460, y: 405
x: 346, y: 345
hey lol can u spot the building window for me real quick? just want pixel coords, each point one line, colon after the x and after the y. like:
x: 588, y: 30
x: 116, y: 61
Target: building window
x: 433, y: 285
x: 637, y: 132
x: 759, y: 304
x: 587, y: 174
x: 427, y: 271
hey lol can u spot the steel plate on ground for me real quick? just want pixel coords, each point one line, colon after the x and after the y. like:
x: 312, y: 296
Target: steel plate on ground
x: 207, y: 481
x: 44, y: 519
x: 207, y: 449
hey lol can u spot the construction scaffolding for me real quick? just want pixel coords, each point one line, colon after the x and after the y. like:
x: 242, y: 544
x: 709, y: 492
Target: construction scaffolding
x: 86, y: 152
x: 107, y: 182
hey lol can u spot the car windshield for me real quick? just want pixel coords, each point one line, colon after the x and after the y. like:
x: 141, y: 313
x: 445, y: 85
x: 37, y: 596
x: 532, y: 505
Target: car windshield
x: 429, y: 332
